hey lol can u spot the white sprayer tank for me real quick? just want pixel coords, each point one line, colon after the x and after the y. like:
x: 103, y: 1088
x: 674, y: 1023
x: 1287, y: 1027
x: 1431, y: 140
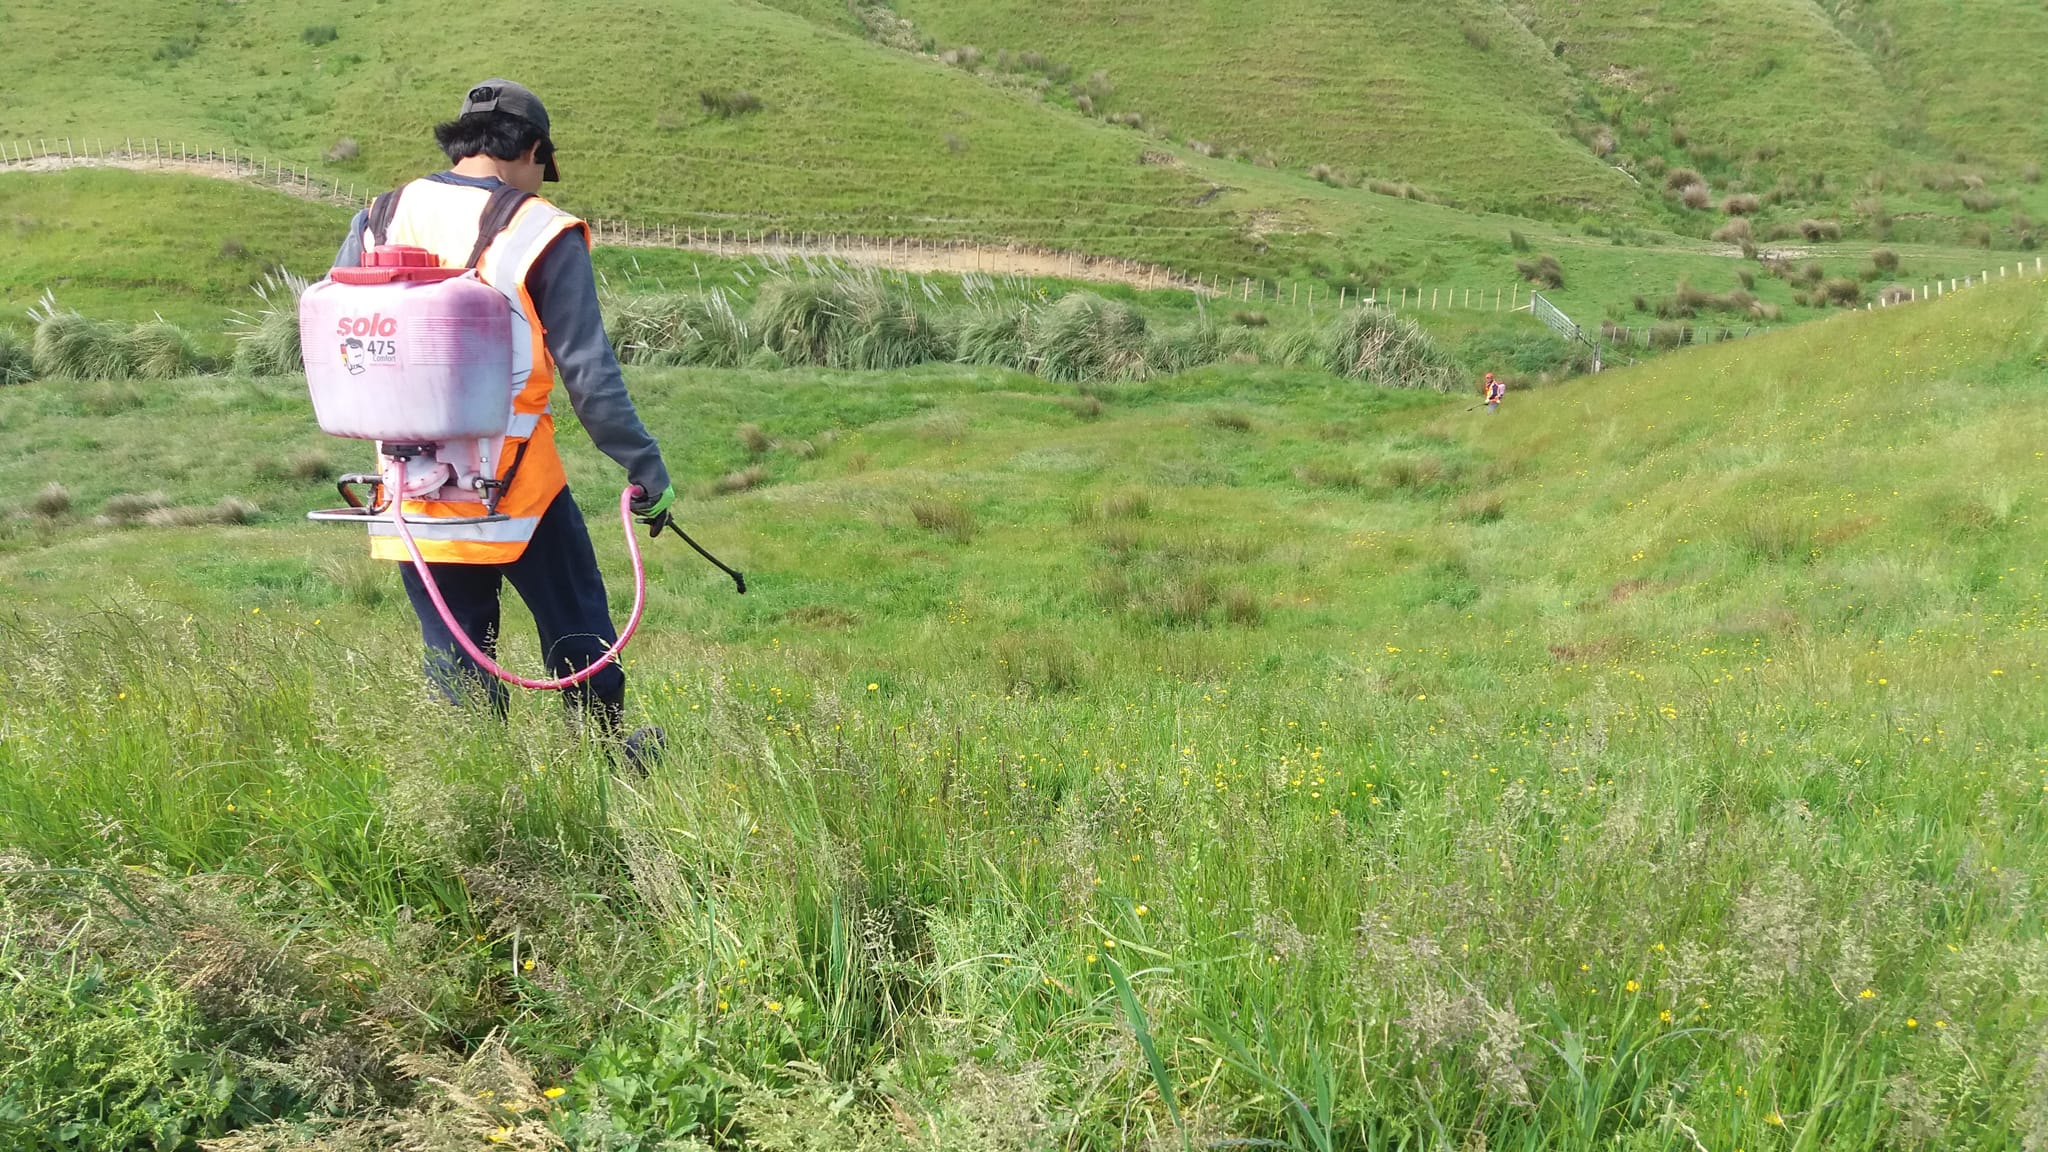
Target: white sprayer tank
x: 405, y: 351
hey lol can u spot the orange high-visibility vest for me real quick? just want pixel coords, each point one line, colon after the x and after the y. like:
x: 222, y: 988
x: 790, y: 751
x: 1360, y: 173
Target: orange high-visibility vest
x: 443, y: 219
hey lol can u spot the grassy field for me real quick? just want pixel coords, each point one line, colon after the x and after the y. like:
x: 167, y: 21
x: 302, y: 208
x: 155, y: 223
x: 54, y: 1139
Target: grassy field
x: 1656, y: 763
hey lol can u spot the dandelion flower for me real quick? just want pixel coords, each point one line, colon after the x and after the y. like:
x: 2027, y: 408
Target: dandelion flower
x: 874, y: 687
x: 1142, y: 910
x: 1866, y: 994
x: 527, y: 964
x: 554, y: 1093
x: 1912, y: 1023
x: 775, y: 1005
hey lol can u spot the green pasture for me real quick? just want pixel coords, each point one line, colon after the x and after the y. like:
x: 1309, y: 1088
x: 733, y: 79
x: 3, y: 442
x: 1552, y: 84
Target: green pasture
x: 1262, y: 758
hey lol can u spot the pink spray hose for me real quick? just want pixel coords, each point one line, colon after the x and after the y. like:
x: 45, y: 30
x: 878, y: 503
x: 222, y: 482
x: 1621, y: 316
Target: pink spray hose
x: 419, y: 564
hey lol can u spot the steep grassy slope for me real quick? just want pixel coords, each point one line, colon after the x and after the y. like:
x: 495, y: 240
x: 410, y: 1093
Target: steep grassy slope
x: 851, y: 137
x: 1739, y: 76
x: 122, y: 245
x: 1658, y: 759
x: 1970, y: 73
x: 1456, y: 98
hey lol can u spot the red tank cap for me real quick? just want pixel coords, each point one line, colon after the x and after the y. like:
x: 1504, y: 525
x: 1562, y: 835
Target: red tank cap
x: 394, y: 262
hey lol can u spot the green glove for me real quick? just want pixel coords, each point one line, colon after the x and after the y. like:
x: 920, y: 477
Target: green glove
x: 655, y: 511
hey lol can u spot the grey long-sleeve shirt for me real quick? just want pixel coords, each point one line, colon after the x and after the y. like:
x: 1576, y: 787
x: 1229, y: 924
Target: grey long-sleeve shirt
x: 564, y: 291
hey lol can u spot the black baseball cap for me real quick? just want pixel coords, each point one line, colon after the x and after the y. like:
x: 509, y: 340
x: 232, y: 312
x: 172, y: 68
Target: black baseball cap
x: 499, y: 95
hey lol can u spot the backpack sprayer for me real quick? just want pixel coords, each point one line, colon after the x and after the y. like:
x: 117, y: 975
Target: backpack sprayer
x: 418, y: 358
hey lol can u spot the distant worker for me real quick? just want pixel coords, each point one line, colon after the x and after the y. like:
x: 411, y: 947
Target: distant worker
x: 1494, y: 391
x: 485, y: 213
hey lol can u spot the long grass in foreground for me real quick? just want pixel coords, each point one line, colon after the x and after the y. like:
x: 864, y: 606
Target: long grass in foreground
x: 1253, y: 758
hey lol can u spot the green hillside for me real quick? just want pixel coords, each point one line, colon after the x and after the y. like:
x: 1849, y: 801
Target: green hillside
x: 1681, y: 722
x: 1456, y: 98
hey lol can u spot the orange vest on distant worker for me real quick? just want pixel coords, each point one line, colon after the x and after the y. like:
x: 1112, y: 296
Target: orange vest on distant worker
x: 444, y: 219
x: 1494, y: 391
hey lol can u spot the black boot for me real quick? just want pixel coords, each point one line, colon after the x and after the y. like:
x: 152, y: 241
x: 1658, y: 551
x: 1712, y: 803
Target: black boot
x: 605, y: 719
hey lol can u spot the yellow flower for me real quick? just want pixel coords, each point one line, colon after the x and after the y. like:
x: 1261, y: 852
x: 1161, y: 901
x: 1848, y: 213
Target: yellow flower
x: 874, y: 687
x: 1109, y: 943
x: 1585, y: 967
x: 1631, y: 986
x: 1941, y: 1023
x: 1912, y: 1023
x: 1866, y: 994
x: 775, y: 1005
x: 1665, y: 1015
x: 1142, y: 910
x: 1092, y: 957
x: 527, y: 964
x: 721, y: 1005
x: 1774, y: 1118
x: 501, y: 1135
x: 554, y: 1093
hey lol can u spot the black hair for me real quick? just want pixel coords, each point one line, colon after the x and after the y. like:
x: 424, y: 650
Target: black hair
x: 499, y: 135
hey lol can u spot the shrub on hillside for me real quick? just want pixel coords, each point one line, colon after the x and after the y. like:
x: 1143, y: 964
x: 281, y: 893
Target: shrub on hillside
x: 1745, y: 204
x: 1696, y: 197
x: 1884, y: 259
x: 1979, y: 200
x: 1517, y: 241
x: 1818, y: 230
x: 17, y: 363
x: 1477, y: 36
x: 1843, y: 290
x: 1324, y: 174
x: 344, y: 150
x: 319, y: 34
x: 1679, y: 179
x: 726, y: 104
x: 2032, y: 175
x: 1735, y: 231
x: 1544, y: 270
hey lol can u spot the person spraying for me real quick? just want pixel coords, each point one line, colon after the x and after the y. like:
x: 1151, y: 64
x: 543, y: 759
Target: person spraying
x: 1495, y: 390
x: 475, y: 510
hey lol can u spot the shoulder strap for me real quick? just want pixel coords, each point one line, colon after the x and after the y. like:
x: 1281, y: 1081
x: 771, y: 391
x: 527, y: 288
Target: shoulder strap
x: 504, y: 204
x: 382, y: 209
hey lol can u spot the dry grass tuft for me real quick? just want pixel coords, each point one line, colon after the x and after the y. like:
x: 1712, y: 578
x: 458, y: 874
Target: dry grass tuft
x: 131, y: 507
x: 754, y: 440
x: 743, y: 480
x: 1544, y: 270
x: 948, y: 519
x: 1696, y: 197
x: 1679, y: 179
x: 53, y: 501
x: 1229, y: 420
x: 1744, y: 204
x: 1819, y: 230
x: 230, y: 510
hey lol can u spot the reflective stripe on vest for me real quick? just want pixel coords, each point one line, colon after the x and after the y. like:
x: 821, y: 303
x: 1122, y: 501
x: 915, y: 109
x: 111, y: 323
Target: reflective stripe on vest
x: 518, y: 528
x: 443, y: 219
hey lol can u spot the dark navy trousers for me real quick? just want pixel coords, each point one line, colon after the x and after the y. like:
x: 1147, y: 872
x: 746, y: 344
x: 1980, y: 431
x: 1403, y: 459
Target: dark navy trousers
x: 558, y: 579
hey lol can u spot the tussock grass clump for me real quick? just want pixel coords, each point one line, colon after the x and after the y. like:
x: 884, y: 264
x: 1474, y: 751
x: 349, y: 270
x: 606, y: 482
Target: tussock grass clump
x: 1884, y: 259
x: 1086, y: 407
x: 754, y: 440
x: 1195, y: 344
x: 1819, y: 230
x: 1696, y: 197
x: 948, y: 519
x: 69, y: 346
x: 1678, y: 180
x: 729, y: 103
x: 848, y: 322
x: 1242, y: 606
x: 1228, y: 419
x: 267, y: 344
x: 1544, y: 270
x: 745, y: 479
x: 319, y: 34
x: 163, y: 351
x: 344, y: 150
x: 677, y: 328
x: 230, y: 510
x: 131, y: 507
x: 2031, y: 174
x: 52, y: 501
x: 1843, y: 290
x: 17, y: 360
x: 1372, y: 344
x: 1744, y: 204
x: 1085, y: 337
x: 1330, y: 474
x: 995, y: 335
x: 1735, y: 231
